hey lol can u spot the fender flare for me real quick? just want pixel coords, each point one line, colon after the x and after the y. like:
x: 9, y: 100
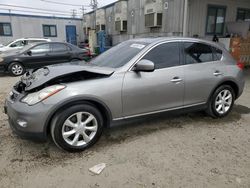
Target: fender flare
x: 78, y: 100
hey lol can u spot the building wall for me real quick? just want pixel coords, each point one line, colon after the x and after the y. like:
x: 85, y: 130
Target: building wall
x: 23, y: 26
x: 172, y: 22
x: 198, y: 13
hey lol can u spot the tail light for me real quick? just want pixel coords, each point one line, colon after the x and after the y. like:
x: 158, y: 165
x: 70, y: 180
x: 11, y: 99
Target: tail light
x: 240, y: 65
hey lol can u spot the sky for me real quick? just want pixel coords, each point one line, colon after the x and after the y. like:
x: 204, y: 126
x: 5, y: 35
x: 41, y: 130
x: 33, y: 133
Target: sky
x: 48, y: 7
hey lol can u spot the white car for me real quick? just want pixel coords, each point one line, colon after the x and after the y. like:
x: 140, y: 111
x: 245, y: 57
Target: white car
x: 20, y: 43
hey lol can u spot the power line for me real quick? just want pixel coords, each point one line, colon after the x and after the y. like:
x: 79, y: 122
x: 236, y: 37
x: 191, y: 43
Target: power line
x: 14, y: 10
x: 48, y: 10
x: 54, y: 2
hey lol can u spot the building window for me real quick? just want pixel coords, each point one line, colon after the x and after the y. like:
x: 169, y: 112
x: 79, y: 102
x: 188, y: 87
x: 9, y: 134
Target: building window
x: 243, y: 14
x: 5, y: 29
x: 49, y: 31
x: 215, y: 20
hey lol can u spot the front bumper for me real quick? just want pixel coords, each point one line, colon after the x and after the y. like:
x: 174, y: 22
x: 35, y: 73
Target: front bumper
x: 2, y: 68
x: 34, y: 116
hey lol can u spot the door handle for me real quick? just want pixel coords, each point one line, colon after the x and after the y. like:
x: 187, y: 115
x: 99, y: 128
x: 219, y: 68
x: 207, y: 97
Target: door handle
x: 217, y: 73
x: 176, y: 80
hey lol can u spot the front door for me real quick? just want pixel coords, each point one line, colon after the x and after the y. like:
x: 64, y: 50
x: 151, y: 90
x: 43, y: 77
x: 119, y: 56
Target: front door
x: 71, y: 35
x: 145, y: 92
x: 38, y: 56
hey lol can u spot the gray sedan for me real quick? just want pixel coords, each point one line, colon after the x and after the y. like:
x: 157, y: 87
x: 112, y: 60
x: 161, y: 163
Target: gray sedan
x: 74, y: 102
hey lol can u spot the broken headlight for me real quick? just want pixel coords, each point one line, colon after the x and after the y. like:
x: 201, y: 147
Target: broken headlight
x: 34, y: 98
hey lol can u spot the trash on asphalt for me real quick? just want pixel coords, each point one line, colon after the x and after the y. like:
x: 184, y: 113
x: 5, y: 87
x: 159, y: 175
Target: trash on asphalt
x: 97, y: 169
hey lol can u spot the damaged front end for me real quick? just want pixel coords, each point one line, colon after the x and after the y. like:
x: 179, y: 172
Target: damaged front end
x: 38, y: 79
x: 39, y: 84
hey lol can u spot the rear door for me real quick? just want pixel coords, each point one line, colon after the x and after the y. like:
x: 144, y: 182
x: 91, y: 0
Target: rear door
x: 145, y: 92
x: 59, y: 53
x: 203, y: 70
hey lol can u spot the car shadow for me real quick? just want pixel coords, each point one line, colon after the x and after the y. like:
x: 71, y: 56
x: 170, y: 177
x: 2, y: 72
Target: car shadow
x: 242, y: 109
x: 5, y: 75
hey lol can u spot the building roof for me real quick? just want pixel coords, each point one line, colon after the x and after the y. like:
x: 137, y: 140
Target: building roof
x: 37, y: 16
x: 106, y: 6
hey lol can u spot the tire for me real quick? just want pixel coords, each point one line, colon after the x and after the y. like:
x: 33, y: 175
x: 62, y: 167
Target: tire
x: 221, y: 102
x: 77, y: 137
x: 16, y: 69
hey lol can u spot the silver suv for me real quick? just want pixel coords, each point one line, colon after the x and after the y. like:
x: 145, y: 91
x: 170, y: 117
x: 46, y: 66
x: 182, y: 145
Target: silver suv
x: 74, y: 102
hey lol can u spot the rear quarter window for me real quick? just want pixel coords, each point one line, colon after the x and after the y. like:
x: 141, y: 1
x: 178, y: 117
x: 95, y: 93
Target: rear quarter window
x: 217, y: 54
x: 195, y: 52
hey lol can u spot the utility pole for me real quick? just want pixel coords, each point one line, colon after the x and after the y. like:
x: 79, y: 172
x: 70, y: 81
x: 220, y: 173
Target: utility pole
x: 83, y: 11
x: 185, y: 18
x: 73, y: 13
x: 93, y: 4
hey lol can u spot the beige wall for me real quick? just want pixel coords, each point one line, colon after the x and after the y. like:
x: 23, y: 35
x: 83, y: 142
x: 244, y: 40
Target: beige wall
x: 32, y: 27
x: 198, y: 13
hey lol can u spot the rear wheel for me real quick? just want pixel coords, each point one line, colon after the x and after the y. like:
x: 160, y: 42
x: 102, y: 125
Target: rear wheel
x: 16, y: 69
x: 221, y: 102
x: 77, y: 127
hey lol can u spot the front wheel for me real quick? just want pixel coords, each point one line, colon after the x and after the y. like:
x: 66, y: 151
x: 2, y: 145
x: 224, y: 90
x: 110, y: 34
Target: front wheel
x: 77, y: 128
x: 221, y: 102
x: 16, y: 69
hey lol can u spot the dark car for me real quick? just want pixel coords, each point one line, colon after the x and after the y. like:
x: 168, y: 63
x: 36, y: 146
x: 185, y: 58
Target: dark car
x: 40, y: 54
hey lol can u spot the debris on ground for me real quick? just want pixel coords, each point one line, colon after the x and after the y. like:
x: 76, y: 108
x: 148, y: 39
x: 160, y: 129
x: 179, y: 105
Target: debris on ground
x: 97, y: 169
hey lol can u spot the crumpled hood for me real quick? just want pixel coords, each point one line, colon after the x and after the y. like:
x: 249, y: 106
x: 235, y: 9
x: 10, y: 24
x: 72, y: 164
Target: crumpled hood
x: 38, y: 77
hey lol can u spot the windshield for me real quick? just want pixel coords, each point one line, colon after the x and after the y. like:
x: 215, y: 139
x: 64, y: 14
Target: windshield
x: 7, y: 43
x: 119, y: 55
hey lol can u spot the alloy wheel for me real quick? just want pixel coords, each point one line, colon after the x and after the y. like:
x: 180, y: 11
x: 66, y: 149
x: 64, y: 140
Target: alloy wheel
x: 223, y: 101
x: 79, y: 129
x: 17, y: 69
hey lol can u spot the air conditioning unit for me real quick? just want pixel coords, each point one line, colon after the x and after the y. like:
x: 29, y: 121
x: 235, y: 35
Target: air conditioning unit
x: 86, y: 30
x: 121, y: 25
x: 100, y: 27
x: 100, y: 20
x: 121, y: 16
x: 153, y: 13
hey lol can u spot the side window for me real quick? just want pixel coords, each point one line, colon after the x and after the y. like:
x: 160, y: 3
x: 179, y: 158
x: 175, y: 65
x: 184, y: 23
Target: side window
x: 59, y: 48
x: 35, y: 41
x: 197, y: 53
x: 25, y: 42
x: 217, y: 54
x: 19, y: 43
x: 164, y: 55
x: 43, y: 48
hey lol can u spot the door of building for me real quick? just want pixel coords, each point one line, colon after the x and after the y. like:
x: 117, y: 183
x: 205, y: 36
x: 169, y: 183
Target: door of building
x: 71, y: 34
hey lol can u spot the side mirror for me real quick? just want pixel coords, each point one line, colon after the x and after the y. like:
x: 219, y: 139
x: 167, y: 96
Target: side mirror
x: 29, y: 53
x: 144, y: 66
